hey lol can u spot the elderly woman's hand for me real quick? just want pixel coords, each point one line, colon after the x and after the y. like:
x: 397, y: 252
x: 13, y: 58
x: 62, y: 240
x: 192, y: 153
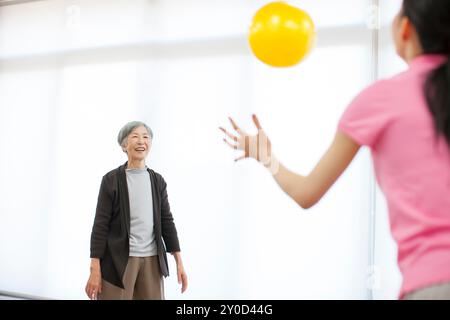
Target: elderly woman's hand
x: 94, y: 284
x: 181, y: 273
x: 182, y: 277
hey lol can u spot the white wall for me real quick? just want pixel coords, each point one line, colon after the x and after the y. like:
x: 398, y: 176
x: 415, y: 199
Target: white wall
x: 73, y: 72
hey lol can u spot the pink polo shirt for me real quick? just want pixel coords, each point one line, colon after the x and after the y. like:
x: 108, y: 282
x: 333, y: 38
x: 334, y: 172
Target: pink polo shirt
x: 412, y: 168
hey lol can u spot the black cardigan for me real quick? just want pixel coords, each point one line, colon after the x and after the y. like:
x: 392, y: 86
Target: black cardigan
x: 111, y: 229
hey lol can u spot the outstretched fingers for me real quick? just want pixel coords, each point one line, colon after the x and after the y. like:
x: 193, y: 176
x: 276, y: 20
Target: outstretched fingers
x: 233, y: 146
x: 236, y: 127
x: 256, y: 121
x: 234, y: 138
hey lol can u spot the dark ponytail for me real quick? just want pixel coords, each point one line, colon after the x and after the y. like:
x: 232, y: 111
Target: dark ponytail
x: 431, y: 19
x: 437, y: 92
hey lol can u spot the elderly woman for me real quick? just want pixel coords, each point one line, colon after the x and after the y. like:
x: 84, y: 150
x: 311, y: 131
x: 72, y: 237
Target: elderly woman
x: 133, y: 227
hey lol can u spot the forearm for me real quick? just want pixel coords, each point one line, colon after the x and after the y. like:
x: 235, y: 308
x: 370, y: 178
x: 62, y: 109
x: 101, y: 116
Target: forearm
x: 177, y: 257
x: 293, y: 184
x: 95, y: 265
x: 308, y: 190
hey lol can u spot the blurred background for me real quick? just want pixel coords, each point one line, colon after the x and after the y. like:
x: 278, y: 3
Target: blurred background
x: 73, y: 72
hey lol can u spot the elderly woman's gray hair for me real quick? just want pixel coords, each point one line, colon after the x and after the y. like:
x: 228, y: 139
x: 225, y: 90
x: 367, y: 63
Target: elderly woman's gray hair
x: 126, y: 130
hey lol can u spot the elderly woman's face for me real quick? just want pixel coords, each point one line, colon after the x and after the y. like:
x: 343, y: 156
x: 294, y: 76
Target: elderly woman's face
x: 138, y: 143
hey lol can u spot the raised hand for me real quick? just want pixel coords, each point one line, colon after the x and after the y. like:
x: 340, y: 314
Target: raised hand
x: 256, y: 146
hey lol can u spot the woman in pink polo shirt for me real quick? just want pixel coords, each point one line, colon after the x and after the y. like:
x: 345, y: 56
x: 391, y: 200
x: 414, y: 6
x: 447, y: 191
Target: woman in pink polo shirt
x: 405, y: 121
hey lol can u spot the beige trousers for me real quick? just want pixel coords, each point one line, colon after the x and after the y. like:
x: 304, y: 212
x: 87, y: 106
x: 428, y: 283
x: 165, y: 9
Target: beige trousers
x: 434, y: 292
x: 142, y: 280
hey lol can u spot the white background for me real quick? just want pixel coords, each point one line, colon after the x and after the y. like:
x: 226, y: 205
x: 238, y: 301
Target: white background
x: 72, y: 73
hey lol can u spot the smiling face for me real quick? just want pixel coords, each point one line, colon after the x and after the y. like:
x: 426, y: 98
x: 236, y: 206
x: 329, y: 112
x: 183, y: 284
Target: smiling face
x: 138, y: 144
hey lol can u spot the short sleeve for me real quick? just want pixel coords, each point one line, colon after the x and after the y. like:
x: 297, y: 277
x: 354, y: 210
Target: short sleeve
x: 368, y: 114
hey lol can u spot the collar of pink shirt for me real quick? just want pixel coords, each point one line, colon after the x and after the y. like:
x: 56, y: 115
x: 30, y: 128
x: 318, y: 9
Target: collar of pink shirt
x: 428, y: 59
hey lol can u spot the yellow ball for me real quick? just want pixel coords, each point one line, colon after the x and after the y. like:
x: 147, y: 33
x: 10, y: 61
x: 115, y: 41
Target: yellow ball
x: 281, y: 35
